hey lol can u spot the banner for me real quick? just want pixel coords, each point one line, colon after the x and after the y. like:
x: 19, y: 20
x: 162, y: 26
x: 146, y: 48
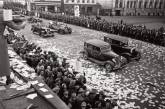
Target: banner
x: 76, y: 11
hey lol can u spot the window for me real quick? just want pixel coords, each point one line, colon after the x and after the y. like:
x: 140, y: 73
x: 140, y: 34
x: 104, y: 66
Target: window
x: 135, y: 4
x: 83, y: 1
x: 88, y: 1
x: 145, y: 5
x: 155, y: 6
x: 116, y: 4
x: 160, y: 5
x: 140, y: 4
x: 93, y: 1
x: 150, y: 6
x: 131, y: 4
x: 72, y: 1
x: 96, y: 48
x: 128, y: 4
x: 89, y: 46
x: 120, y: 5
x: 78, y: 1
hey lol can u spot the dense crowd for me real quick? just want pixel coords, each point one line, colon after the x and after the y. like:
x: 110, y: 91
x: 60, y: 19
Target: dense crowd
x: 60, y: 76
x: 155, y: 36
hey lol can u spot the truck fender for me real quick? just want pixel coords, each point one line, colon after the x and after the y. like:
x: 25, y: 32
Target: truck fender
x: 109, y: 65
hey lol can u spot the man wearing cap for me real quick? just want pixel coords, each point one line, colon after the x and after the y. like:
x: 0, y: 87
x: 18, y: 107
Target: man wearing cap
x: 4, y: 58
x: 92, y: 97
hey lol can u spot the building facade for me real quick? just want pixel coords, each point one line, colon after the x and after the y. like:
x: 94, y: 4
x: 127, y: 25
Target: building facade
x: 23, y: 2
x: 46, y: 5
x: 133, y: 7
x: 106, y: 6
x: 86, y: 7
x: 145, y: 7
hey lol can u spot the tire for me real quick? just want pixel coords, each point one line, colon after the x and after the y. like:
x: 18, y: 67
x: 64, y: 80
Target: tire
x: 40, y: 34
x: 108, y: 67
x: 126, y: 60
x: 127, y: 57
x: 61, y: 32
x: 139, y: 56
x: 70, y: 31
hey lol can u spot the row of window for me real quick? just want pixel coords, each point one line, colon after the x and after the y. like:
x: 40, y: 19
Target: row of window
x: 133, y: 4
x: 79, y: 1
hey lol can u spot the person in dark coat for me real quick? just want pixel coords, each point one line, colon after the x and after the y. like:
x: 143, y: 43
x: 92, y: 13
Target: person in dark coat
x: 4, y: 58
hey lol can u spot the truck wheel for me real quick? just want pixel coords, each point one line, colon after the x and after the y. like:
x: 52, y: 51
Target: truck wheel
x: 108, y: 67
x: 128, y: 58
x: 70, y: 32
x: 61, y: 31
x: 125, y: 60
x: 41, y: 35
x: 139, y: 56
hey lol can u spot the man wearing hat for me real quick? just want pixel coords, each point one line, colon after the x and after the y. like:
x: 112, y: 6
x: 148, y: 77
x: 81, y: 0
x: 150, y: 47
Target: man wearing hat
x: 4, y: 58
x: 92, y: 97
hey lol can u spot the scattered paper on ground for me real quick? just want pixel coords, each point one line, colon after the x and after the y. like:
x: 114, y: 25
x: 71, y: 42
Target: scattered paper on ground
x: 32, y: 96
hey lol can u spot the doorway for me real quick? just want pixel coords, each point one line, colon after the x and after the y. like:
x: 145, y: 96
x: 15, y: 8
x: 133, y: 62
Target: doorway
x: 118, y: 12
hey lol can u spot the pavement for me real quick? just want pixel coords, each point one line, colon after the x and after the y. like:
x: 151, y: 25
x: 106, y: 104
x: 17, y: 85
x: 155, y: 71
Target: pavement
x: 140, y: 85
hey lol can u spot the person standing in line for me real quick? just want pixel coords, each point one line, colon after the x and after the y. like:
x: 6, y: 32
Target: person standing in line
x: 4, y: 58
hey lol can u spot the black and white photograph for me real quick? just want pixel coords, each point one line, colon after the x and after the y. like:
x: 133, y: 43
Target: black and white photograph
x: 82, y: 54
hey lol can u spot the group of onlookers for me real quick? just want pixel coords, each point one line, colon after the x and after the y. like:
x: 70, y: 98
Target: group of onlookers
x: 140, y: 32
x: 60, y: 76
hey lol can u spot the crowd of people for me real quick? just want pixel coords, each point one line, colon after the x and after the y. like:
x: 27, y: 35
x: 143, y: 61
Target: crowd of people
x: 140, y: 32
x: 155, y: 36
x: 60, y: 76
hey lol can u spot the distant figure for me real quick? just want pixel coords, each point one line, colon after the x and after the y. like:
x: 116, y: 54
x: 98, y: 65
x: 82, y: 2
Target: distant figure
x: 98, y: 18
x: 121, y: 21
x: 4, y: 58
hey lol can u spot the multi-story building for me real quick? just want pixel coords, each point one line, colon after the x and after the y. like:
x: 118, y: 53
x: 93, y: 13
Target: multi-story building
x: 133, y: 7
x: 106, y: 6
x: 145, y: 7
x: 111, y: 7
x: 46, y: 5
x: 66, y: 6
x: 86, y: 7
x: 18, y: 1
